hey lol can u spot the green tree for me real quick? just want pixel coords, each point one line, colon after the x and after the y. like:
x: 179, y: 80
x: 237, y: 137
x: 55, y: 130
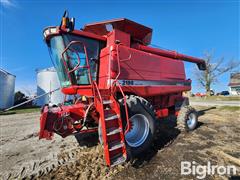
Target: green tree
x: 19, y: 97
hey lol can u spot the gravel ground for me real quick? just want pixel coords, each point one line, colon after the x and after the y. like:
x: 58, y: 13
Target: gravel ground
x: 22, y: 153
x: 217, y: 139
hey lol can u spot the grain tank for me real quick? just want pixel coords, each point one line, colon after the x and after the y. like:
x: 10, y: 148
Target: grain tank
x: 47, y: 80
x: 7, y: 88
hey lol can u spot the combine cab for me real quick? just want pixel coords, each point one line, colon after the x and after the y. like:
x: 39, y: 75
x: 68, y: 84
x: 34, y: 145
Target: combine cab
x: 119, y: 86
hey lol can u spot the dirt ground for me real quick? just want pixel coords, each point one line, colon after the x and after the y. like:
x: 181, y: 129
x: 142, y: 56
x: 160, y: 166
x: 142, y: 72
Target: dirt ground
x: 217, y: 139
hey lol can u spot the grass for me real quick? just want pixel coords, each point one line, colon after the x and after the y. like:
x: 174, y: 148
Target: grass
x: 217, y: 98
x: 230, y: 108
x: 21, y: 111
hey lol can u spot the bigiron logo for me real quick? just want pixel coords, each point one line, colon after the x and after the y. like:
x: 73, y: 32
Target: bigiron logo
x: 201, y: 171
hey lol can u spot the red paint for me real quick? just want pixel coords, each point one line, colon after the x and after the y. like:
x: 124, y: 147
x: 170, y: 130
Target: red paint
x: 43, y: 133
x: 160, y: 113
x: 170, y: 54
x: 137, y: 31
x: 155, y: 74
x: 176, y: 113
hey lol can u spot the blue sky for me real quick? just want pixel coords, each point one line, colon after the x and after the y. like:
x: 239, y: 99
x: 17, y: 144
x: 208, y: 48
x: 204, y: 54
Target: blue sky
x: 189, y: 27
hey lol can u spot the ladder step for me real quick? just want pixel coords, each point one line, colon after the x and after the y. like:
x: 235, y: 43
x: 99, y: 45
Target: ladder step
x: 115, y: 145
x: 119, y: 159
x: 105, y: 94
x: 107, y: 102
x: 111, y: 117
x: 112, y: 131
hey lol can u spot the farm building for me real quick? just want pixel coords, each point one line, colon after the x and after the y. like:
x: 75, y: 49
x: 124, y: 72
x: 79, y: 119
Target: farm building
x: 234, y: 85
x: 7, y: 88
x: 47, y: 80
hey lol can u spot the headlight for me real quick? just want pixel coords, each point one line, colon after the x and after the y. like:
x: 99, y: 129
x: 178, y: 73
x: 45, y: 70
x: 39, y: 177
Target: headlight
x: 48, y: 31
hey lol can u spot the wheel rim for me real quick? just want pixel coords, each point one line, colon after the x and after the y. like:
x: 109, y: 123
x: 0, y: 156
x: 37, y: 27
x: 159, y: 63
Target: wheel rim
x: 139, y: 130
x: 191, y: 120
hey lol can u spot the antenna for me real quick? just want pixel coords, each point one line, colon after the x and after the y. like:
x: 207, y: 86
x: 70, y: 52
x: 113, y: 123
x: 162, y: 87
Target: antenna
x: 50, y: 94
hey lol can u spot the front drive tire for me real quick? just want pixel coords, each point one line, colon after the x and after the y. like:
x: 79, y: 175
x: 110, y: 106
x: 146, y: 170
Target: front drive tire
x: 187, y: 119
x: 143, y: 124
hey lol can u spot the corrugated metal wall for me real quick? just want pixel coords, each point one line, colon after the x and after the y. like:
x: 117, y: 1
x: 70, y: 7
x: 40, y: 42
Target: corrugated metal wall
x: 7, y: 89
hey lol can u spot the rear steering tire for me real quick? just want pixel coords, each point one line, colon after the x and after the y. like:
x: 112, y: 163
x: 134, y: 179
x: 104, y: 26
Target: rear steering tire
x: 187, y: 119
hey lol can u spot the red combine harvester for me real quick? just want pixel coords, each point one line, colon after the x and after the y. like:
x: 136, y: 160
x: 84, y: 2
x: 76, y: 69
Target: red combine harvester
x: 119, y: 86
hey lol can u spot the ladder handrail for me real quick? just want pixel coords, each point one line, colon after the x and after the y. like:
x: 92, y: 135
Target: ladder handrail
x: 79, y: 61
x: 125, y: 105
x: 95, y: 87
x: 122, y: 60
x: 116, y: 82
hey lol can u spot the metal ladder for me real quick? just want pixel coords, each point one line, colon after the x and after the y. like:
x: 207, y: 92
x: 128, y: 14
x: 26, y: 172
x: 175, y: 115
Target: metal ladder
x: 110, y: 118
x: 111, y: 125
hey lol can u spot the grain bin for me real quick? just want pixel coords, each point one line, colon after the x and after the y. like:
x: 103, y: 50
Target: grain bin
x: 47, y: 80
x: 7, y: 88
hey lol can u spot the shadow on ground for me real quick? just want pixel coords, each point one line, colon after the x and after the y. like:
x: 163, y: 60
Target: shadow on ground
x: 167, y: 132
x: 202, y: 112
x: 89, y: 140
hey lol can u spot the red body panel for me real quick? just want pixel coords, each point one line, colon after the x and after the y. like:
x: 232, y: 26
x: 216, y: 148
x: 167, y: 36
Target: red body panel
x: 82, y: 90
x: 146, y: 66
x: 146, y: 91
x: 147, y: 74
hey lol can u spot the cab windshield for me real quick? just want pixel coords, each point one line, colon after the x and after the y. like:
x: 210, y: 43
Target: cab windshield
x: 71, y: 66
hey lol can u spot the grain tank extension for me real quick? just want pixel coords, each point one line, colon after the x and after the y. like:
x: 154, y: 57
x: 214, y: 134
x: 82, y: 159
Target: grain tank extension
x: 120, y: 86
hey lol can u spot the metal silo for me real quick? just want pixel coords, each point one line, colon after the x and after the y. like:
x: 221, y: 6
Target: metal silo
x: 7, y: 89
x: 47, y: 80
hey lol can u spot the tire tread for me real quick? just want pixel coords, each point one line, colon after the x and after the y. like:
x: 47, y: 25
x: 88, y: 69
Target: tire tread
x: 182, y: 117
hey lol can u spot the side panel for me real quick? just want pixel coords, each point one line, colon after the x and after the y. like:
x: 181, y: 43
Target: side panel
x: 146, y: 74
x: 119, y: 36
x: 154, y: 90
x: 139, y: 65
x: 104, y: 68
